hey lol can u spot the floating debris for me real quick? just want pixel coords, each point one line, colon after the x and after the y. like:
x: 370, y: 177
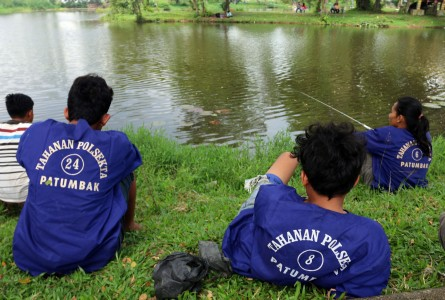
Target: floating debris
x: 207, y: 113
x: 158, y: 123
x: 186, y: 106
x: 215, y: 122
x: 223, y: 111
x: 198, y: 110
x: 195, y: 110
x: 436, y: 98
x: 432, y: 105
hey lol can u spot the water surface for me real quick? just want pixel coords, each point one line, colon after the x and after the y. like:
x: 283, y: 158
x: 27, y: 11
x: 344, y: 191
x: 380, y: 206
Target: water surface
x: 222, y: 83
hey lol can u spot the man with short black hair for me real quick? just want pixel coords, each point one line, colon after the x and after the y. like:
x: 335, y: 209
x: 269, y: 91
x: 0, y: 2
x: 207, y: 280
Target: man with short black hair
x: 281, y: 237
x: 82, y: 190
x: 13, y: 178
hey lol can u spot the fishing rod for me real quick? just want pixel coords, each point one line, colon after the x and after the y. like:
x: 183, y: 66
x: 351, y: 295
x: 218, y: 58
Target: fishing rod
x: 333, y: 108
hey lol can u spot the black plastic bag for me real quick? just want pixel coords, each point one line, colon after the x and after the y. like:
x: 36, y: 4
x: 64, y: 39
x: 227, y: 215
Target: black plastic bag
x: 209, y: 251
x: 178, y: 272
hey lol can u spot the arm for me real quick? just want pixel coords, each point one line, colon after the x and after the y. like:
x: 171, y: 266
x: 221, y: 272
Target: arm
x: 378, y: 140
x: 284, y: 167
x: 129, y: 223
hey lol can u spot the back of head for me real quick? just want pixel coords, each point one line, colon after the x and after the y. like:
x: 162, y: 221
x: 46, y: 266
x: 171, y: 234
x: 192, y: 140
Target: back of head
x: 18, y: 105
x: 331, y: 155
x: 89, y: 98
x: 416, y: 122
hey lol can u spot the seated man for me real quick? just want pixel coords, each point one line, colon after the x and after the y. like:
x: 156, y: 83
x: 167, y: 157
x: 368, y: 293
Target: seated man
x: 281, y: 237
x: 13, y: 178
x: 80, y: 179
x: 335, y: 9
x: 298, y: 8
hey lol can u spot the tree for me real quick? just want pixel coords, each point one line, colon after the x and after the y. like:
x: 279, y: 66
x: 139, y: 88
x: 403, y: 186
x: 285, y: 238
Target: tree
x: 226, y: 6
x: 128, y: 6
x: 196, y: 4
x: 136, y: 5
x: 378, y: 6
x: 363, y: 4
x: 322, y: 6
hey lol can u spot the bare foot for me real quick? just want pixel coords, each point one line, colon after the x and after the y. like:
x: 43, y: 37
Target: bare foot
x: 133, y: 226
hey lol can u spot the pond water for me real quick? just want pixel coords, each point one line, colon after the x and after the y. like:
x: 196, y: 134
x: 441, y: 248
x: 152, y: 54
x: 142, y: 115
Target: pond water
x: 223, y: 84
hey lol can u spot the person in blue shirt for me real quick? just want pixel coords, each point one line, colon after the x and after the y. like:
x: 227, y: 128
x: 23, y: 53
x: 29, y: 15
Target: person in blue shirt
x: 399, y: 154
x: 281, y: 237
x: 80, y: 180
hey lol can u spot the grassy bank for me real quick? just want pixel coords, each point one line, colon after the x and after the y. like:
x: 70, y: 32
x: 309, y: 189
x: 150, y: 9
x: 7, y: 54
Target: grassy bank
x: 13, y: 10
x: 187, y: 194
x: 264, y: 14
x: 246, y: 13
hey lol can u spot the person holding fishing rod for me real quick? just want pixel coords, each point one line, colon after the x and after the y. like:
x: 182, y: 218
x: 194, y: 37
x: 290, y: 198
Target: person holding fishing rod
x: 400, y: 154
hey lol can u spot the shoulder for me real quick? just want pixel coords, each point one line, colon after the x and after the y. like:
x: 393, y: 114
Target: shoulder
x: 380, y: 130
x: 369, y: 228
x: 14, y: 126
x: 116, y: 134
x: 121, y: 146
x: 277, y: 194
x: 44, y: 124
x: 387, y: 134
x: 117, y: 137
x: 41, y: 127
x: 278, y: 190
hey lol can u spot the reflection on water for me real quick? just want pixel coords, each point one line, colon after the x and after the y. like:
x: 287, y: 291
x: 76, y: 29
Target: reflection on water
x: 203, y: 83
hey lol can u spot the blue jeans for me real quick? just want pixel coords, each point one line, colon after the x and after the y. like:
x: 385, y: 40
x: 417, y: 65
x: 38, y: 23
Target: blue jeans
x: 255, y: 183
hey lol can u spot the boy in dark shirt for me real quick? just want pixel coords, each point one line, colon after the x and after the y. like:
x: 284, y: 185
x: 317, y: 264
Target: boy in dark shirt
x: 281, y: 237
x: 80, y: 181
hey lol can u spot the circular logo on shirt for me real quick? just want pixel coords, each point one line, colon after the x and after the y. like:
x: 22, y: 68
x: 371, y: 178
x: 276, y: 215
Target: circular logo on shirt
x: 310, y: 260
x: 417, y: 154
x: 72, y: 164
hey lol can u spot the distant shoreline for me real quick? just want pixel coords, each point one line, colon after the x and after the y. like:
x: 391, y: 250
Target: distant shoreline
x: 350, y: 18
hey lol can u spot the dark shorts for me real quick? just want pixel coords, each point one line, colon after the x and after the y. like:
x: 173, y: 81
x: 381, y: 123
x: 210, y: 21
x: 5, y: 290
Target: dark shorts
x: 125, y: 185
x: 366, y: 172
x: 125, y: 189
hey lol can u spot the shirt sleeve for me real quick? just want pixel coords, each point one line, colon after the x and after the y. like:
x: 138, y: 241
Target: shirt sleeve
x: 126, y: 157
x: 377, y: 140
x: 23, y: 145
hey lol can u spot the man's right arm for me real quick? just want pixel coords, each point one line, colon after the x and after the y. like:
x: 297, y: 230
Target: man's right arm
x: 284, y: 167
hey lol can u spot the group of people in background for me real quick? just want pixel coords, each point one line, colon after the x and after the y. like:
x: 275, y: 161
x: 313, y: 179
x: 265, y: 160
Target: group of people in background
x: 280, y: 236
x: 300, y: 8
x: 78, y: 187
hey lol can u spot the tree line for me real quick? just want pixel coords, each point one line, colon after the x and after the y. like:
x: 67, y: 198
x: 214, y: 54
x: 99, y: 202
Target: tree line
x: 47, y: 4
x: 136, y: 7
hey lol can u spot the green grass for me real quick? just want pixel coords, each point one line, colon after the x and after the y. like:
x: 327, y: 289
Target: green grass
x: 282, y: 14
x: 268, y: 12
x: 187, y: 194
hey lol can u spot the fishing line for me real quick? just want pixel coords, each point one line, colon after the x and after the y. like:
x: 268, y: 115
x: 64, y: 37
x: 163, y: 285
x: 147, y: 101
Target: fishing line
x: 333, y: 108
